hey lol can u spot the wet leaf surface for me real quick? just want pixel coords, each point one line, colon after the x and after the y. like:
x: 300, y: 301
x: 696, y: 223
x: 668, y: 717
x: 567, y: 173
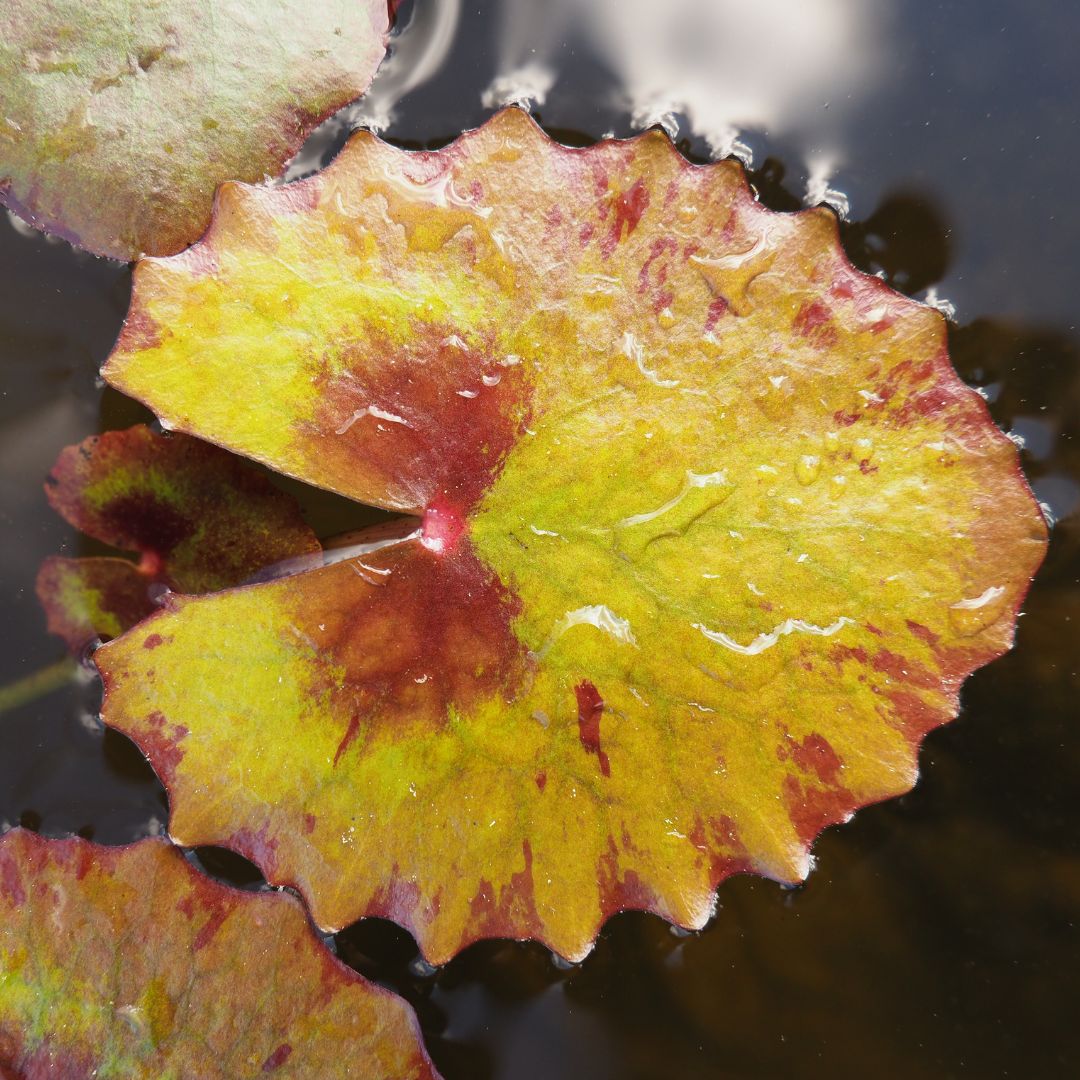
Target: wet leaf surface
x: 709, y: 536
x: 129, y: 962
x: 119, y: 119
x: 200, y: 518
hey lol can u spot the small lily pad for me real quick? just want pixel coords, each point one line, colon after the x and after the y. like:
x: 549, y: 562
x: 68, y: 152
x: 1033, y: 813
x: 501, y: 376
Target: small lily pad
x: 127, y: 962
x: 119, y: 118
x: 200, y: 518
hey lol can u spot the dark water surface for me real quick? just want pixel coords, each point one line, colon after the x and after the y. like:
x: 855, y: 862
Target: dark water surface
x: 937, y: 936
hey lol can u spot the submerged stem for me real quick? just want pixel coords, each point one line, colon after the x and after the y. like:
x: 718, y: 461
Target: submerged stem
x: 37, y: 684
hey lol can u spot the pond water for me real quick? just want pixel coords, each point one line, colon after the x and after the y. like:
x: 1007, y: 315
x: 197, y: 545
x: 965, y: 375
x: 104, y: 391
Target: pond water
x: 937, y: 935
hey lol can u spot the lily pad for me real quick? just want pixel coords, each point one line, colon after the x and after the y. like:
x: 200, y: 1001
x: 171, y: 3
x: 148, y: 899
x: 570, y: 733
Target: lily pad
x: 127, y: 962
x: 709, y: 535
x: 119, y: 118
x: 200, y: 518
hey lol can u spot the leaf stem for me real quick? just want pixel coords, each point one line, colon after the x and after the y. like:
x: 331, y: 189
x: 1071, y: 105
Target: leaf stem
x: 38, y: 684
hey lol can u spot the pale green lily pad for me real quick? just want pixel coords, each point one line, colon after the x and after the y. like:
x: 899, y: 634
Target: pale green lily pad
x: 119, y: 118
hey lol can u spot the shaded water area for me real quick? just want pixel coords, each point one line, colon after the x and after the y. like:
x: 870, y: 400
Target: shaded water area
x: 937, y: 935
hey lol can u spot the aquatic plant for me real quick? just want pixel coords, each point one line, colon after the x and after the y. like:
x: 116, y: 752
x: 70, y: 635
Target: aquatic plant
x: 700, y: 536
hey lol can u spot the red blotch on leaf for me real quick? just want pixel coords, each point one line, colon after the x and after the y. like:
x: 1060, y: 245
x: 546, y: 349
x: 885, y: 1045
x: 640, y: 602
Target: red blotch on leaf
x: 216, y: 908
x: 11, y: 882
x: 210, y: 928
x: 451, y: 429
x: 397, y: 899
x: 161, y: 744
x: 410, y: 657
x: 153, y: 525
x: 814, y: 322
x: 629, y: 206
x: 917, y: 717
x: 719, y: 840
x: 718, y: 308
x: 277, y: 1058
x: 901, y: 669
x: 509, y: 911
x: 660, y: 246
x: 590, y: 709
x: 814, y: 754
x: 923, y: 633
x: 624, y: 891
x: 346, y: 740
x: 811, y: 808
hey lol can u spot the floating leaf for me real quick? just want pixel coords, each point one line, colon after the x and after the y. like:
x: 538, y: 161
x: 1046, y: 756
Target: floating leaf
x: 711, y: 535
x: 127, y: 962
x: 118, y: 119
x: 87, y: 600
x: 201, y: 519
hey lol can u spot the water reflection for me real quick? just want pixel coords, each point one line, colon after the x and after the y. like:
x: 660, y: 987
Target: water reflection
x: 419, y: 46
x: 1029, y: 377
x: 724, y: 66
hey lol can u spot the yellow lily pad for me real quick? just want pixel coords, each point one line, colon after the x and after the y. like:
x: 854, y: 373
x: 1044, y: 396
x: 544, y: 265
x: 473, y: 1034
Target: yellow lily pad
x: 709, y: 534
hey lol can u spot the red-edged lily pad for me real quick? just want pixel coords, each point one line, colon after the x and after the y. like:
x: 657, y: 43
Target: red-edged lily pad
x: 119, y: 118
x: 127, y: 962
x: 709, y: 535
x: 200, y: 518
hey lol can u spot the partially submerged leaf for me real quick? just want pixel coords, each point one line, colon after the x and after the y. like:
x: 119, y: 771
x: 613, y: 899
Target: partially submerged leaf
x: 200, y: 518
x: 119, y: 118
x: 93, y: 598
x: 127, y: 962
x: 712, y: 534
